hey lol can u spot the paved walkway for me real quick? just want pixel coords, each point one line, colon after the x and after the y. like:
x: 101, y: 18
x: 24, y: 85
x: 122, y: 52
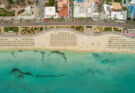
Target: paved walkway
x: 71, y: 23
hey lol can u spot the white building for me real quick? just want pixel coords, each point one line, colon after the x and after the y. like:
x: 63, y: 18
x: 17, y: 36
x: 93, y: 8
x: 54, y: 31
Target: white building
x: 132, y: 2
x: 115, y: 11
x: 107, y: 9
x: 49, y: 12
x: 83, y: 9
x: 122, y: 15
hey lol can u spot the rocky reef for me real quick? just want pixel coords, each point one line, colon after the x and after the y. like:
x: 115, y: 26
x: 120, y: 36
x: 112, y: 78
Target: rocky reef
x: 60, y: 53
x: 21, y: 74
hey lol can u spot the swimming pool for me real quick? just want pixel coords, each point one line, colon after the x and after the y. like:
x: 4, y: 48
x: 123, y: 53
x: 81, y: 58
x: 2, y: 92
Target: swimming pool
x: 80, y: 0
x: 131, y: 11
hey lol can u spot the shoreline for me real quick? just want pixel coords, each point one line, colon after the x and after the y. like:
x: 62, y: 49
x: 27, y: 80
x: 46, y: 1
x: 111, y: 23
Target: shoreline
x: 66, y: 50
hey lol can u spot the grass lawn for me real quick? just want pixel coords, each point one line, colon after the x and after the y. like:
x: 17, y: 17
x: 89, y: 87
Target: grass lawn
x: 107, y: 29
x: 21, y: 11
x: 51, y: 3
x: 41, y: 28
x: 117, y: 29
x: 117, y: 0
x: 4, y: 12
x: 108, y: 1
x: 88, y: 26
x: 78, y: 28
x: 0, y: 2
x: 14, y: 29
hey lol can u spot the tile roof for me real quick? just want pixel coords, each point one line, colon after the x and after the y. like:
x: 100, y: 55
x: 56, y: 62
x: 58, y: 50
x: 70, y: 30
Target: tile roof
x: 96, y: 1
x: 61, y: 3
x: 63, y: 12
x: 63, y: 8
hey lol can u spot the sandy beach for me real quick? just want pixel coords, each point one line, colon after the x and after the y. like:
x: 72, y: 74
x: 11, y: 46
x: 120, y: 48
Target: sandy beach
x: 64, y: 39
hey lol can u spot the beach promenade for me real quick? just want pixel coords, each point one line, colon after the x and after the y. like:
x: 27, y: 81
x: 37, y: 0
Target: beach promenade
x: 65, y: 39
x: 83, y: 23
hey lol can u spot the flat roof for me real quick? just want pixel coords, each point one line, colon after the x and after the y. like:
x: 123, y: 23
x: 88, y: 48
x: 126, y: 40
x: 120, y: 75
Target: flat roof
x: 50, y: 11
x: 132, y: 2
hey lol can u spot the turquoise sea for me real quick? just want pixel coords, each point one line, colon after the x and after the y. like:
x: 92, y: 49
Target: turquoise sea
x: 66, y: 72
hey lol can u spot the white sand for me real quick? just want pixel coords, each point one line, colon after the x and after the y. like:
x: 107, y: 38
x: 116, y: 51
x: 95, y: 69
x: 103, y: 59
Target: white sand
x: 83, y: 42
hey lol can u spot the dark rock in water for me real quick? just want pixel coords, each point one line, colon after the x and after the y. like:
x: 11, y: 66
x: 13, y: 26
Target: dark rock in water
x: 35, y: 50
x: 61, y: 75
x: 93, y: 72
x: 60, y: 53
x: 13, y: 55
x: 15, y: 69
x: 17, y: 72
x: 107, y: 53
x: 21, y: 74
x: 20, y: 50
x: 96, y: 55
x: 48, y: 91
x: 43, y: 55
x: 108, y: 61
x: 27, y: 73
x: 110, y: 53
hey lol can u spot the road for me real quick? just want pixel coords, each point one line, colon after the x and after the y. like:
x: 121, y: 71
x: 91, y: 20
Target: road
x: 40, y: 5
x: 112, y: 24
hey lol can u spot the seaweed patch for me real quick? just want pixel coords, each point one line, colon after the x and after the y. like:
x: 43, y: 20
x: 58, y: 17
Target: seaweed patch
x: 20, y: 50
x: 92, y: 72
x: 60, y: 53
x: 96, y: 55
x: 13, y: 55
x: 108, y: 61
x: 21, y: 74
x: 43, y: 55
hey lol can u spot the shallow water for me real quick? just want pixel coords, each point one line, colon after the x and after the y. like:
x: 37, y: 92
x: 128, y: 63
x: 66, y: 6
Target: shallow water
x: 66, y: 72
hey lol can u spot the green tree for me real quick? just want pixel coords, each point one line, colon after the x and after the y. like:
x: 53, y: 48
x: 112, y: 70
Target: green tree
x: 51, y: 2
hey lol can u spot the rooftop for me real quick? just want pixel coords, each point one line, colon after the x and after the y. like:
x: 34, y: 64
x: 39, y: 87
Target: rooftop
x: 83, y: 9
x: 132, y: 2
x: 116, y: 7
x: 50, y: 11
x: 63, y: 8
x: 96, y: 1
x: 63, y: 12
x: 61, y: 3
